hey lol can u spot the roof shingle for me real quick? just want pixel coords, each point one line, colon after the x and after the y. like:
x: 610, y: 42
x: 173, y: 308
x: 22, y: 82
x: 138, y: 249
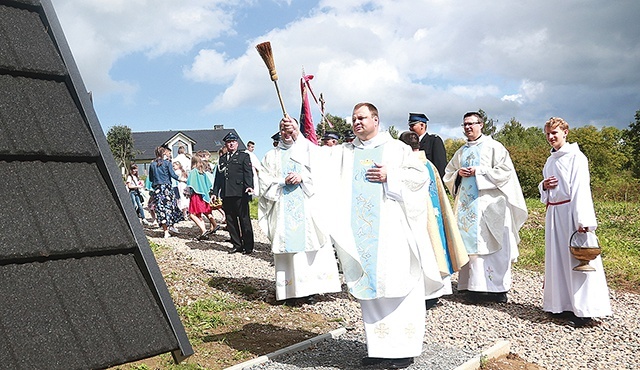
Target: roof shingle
x: 79, y: 287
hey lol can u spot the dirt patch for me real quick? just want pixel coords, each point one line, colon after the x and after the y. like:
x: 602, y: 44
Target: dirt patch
x: 509, y: 361
x: 251, y: 325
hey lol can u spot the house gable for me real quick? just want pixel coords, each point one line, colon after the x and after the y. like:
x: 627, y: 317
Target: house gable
x: 211, y: 140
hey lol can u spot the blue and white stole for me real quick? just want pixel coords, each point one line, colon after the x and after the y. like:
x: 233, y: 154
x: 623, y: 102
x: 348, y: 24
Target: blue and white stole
x: 468, y: 218
x: 366, y: 198
x: 293, y: 210
x: 435, y: 200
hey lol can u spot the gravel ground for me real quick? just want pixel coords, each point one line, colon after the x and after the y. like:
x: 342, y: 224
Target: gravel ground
x: 456, y: 331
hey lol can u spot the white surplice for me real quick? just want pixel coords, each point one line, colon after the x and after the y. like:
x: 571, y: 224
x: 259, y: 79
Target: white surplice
x: 499, y: 210
x: 304, y: 258
x: 381, y: 238
x: 256, y: 166
x: 570, y: 206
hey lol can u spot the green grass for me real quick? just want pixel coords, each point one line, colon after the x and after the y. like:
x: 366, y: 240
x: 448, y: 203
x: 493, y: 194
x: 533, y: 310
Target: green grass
x: 204, y: 314
x: 532, y: 238
x: 155, y: 247
x: 253, y: 209
x: 618, y: 233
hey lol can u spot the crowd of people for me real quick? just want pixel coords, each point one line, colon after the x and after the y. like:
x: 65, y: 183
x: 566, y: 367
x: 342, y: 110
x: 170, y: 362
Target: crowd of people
x: 392, y: 232
x: 178, y: 189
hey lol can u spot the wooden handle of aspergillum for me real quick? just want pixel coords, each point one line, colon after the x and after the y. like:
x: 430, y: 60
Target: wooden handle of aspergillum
x: 284, y: 111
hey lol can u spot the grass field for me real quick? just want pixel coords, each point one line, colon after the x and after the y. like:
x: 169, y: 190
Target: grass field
x: 618, y: 233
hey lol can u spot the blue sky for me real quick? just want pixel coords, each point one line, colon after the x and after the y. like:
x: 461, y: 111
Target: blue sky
x: 191, y: 64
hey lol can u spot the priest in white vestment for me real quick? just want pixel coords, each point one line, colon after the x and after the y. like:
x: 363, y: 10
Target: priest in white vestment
x: 490, y: 209
x: 304, y: 258
x: 565, y: 189
x: 377, y: 222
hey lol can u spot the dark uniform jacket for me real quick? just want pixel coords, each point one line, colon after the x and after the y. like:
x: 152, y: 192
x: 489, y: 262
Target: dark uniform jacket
x: 234, y: 175
x: 434, y: 149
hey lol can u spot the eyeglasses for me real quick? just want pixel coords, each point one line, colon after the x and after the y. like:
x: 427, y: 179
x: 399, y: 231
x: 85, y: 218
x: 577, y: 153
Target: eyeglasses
x: 465, y: 124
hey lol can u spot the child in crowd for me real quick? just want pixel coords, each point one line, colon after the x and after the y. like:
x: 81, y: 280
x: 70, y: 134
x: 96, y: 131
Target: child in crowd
x: 135, y: 185
x: 199, y: 205
x: 180, y: 187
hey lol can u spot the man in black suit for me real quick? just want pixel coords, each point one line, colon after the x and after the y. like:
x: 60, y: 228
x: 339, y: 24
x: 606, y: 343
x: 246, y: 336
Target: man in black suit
x: 431, y: 144
x: 234, y: 184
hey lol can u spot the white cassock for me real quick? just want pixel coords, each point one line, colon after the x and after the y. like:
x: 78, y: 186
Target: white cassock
x: 570, y: 206
x: 256, y: 166
x: 379, y: 233
x: 490, y: 209
x: 305, y: 262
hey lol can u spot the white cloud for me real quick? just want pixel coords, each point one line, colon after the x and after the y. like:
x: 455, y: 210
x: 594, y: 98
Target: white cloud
x: 211, y: 66
x: 528, y: 91
x: 100, y: 32
x: 524, y: 59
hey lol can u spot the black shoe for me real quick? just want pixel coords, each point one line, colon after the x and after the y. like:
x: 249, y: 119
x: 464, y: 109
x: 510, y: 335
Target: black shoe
x: 564, y: 315
x: 499, y: 297
x: 235, y: 250
x: 203, y: 236
x: 472, y: 297
x: 580, y: 322
x: 368, y: 361
x: 430, y: 303
x: 400, y: 363
x: 247, y: 252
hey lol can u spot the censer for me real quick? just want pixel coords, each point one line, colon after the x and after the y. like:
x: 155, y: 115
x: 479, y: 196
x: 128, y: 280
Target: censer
x: 584, y: 252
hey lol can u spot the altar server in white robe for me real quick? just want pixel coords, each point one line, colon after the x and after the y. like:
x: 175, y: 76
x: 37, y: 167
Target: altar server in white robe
x: 565, y: 189
x: 377, y: 222
x: 305, y: 262
x: 490, y: 209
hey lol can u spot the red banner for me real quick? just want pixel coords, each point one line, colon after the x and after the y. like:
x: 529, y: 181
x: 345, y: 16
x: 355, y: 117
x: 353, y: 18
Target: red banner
x: 306, y: 119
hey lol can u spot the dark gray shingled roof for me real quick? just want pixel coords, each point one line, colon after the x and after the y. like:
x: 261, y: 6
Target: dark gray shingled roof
x: 79, y: 286
x: 145, y: 143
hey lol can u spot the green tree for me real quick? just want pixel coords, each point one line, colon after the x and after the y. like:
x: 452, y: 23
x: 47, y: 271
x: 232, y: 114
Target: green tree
x: 528, y: 163
x: 608, y: 161
x: 631, y: 143
x: 514, y: 134
x: 489, y: 124
x: 452, y: 145
x: 601, y: 154
x: 120, y: 141
x: 339, y: 124
x: 393, y: 132
x: 528, y: 149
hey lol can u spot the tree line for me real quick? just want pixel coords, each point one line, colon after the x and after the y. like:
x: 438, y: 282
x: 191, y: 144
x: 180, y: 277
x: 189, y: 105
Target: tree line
x: 614, y: 154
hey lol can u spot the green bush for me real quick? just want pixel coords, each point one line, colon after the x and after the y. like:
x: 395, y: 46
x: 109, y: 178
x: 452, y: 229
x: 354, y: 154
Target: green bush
x: 529, y: 163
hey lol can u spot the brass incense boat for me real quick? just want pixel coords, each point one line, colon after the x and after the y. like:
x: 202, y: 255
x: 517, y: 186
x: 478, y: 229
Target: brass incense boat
x: 584, y: 253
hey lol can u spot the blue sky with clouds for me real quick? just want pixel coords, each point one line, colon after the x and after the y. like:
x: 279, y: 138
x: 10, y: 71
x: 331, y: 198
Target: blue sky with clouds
x: 191, y: 64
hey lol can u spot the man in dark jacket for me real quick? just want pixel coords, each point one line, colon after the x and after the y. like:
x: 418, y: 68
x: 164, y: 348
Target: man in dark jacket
x: 431, y: 144
x: 234, y: 184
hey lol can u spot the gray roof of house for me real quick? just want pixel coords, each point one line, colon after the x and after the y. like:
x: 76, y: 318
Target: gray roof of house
x: 79, y: 286
x: 145, y: 143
